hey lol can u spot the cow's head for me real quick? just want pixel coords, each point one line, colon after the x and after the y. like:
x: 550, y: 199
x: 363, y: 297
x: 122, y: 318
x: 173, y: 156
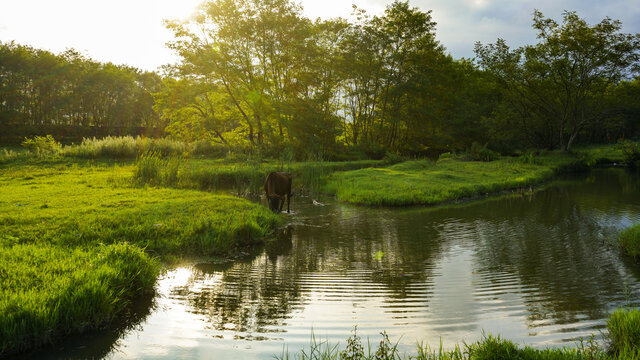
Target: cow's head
x: 274, y: 203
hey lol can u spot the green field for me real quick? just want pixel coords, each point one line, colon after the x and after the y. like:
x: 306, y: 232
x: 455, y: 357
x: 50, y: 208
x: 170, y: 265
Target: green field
x: 79, y: 243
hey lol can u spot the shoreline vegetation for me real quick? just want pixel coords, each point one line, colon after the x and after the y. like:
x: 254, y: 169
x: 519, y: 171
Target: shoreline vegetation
x: 454, y: 178
x: 629, y: 240
x: 86, y: 228
x: 622, y: 343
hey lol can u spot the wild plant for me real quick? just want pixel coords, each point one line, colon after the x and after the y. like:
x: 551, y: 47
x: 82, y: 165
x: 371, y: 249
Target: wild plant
x: 42, y: 146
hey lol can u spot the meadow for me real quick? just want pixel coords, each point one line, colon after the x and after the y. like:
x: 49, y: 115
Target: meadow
x: 79, y: 243
x: 455, y: 178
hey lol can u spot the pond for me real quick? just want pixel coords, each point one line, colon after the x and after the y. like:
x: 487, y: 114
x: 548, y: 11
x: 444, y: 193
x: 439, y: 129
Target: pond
x: 537, y: 268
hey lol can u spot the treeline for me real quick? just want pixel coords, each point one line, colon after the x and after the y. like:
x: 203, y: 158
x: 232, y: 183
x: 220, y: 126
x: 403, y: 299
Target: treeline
x: 71, y: 96
x: 257, y: 75
x: 260, y: 72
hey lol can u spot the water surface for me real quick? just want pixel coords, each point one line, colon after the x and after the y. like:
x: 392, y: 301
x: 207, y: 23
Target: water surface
x: 536, y: 268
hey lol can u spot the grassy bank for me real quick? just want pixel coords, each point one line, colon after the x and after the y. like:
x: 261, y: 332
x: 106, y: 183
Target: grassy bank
x: 79, y: 243
x: 424, y: 182
x: 243, y: 177
x: 629, y: 240
x: 623, y: 343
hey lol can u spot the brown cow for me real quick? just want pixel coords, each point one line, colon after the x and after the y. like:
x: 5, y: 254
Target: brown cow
x: 277, y: 186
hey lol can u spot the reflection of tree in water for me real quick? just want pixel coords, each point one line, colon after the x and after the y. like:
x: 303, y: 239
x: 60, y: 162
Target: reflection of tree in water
x: 258, y: 295
x: 558, y: 250
x: 247, y: 295
x: 545, y: 249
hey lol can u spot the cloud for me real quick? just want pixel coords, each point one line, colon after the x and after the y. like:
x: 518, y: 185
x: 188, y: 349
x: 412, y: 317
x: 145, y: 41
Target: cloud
x: 463, y: 22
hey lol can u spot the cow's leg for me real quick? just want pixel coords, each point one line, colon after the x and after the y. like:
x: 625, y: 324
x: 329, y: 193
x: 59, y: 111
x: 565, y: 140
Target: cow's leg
x: 288, y: 200
x: 281, y: 199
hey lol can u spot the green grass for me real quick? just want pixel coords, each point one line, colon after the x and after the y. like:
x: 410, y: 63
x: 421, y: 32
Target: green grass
x: 623, y: 334
x: 424, y: 182
x: 624, y: 330
x: 79, y: 243
x: 629, y: 240
x: 51, y: 291
x: 246, y: 177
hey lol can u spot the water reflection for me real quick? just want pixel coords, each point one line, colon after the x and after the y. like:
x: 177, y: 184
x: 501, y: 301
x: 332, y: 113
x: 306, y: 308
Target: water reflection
x: 537, y: 268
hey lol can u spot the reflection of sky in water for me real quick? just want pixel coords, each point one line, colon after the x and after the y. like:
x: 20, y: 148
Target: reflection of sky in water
x: 536, y: 270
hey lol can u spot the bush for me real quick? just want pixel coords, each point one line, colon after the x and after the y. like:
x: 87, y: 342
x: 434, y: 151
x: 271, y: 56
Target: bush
x: 392, y: 158
x: 129, y: 147
x: 529, y: 158
x: 480, y: 153
x: 42, y: 146
x: 630, y: 152
x: 373, y: 151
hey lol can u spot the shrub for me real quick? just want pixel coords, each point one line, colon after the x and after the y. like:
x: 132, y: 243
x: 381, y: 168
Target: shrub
x: 373, y: 151
x: 480, y: 153
x: 445, y: 155
x: 630, y: 152
x: 42, y: 146
x: 392, y: 158
x: 8, y: 155
x: 529, y: 158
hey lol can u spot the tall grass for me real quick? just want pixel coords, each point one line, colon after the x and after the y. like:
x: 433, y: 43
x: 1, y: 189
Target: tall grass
x: 629, y: 240
x: 243, y: 178
x: 623, y: 333
x: 624, y: 330
x: 124, y: 147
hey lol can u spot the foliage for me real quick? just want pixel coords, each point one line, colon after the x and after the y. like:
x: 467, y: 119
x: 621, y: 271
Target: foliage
x: 377, y: 83
x: 42, y: 146
x: 39, y: 88
x: 129, y: 147
x: 479, y: 152
x: 558, y: 87
x: 8, y: 155
x: 631, y: 152
x: 629, y: 240
x: 530, y: 158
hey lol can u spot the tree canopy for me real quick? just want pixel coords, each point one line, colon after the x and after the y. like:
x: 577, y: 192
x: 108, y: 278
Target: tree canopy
x: 260, y: 76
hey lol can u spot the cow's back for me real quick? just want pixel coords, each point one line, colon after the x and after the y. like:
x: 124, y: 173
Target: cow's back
x: 277, y: 183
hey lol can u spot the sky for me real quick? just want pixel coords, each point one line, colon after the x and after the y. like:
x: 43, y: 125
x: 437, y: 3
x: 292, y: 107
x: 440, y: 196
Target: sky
x: 131, y: 32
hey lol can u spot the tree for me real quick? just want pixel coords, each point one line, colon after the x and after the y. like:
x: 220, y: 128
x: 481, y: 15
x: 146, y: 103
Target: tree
x: 558, y: 86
